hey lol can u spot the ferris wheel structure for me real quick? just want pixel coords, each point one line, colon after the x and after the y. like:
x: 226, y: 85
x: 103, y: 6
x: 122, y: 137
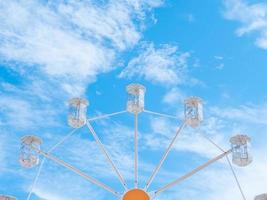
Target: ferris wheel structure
x: 31, y: 150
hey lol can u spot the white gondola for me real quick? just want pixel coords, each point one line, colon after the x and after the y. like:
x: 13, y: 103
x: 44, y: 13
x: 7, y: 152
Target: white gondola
x: 240, y: 150
x: 5, y: 197
x: 261, y: 197
x: 136, y: 98
x: 77, y: 112
x: 28, y: 155
x: 193, y: 111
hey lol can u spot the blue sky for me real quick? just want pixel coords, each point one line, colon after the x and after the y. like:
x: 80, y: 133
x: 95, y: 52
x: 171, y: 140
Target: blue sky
x: 51, y: 51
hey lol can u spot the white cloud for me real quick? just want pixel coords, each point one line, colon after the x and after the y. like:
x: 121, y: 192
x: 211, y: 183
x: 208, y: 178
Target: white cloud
x: 191, y: 18
x: 219, y: 128
x: 73, y: 41
x: 174, y: 97
x: 20, y: 114
x: 220, y: 66
x: 253, y: 114
x: 74, y: 187
x: 191, y: 141
x: 218, y: 181
x: 251, y: 182
x: 165, y: 65
x: 219, y: 57
x: 253, y: 18
x: 219, y: 174
x: 3, y: 155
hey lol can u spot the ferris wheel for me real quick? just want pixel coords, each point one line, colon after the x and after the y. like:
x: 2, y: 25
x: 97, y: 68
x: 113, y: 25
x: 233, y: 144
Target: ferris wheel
x: 77, y: 118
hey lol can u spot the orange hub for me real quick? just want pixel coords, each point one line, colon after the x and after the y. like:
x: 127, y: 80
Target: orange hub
x: 136, y: 194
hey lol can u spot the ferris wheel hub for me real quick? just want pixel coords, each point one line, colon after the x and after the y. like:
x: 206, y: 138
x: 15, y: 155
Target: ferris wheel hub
x: 136, y: 194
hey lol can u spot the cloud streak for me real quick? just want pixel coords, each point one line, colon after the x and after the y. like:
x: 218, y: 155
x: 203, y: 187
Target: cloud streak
x: 164, y: 65
x: 253, y: 18
x: 72, y: 42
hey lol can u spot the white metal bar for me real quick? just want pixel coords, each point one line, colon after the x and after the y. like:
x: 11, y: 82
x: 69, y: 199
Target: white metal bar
x: 106, y: 115
x: 104, y: 151
x: 182, y: 178
x: 231, y: 167
x: 160, y: 114
x: 62, y: 140
x: 42, y: 162
x: 212, y: 142
x: 236, y: 179
x: 77, y: 171
x: 36, y: 179
x: 136, y: 150
x: 164, y: 156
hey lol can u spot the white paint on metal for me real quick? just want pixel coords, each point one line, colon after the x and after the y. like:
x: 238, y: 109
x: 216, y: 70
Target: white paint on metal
x: 261, y: 197
x: 240, y: 147
x: 5, y: 197
x: 29, y: 158
x: 193, y: 111
x: 136, y: 98
x: 77, y: 112
x: 186, y: 176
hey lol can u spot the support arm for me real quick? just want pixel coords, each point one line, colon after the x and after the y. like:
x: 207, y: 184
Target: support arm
x: 104, y: 151
x: 43, y: 161
x: 160, y: 114
x: 186, y: 176
x: 164, y: 156
x: 136, y: 150
x: 106, y: 115
x: 36, y: 179
x: 231, y: 167
x: 77, y: 171
x: 62, y: 140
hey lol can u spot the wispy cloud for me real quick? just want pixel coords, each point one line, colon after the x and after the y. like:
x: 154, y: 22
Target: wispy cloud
x: 251, y: 16
x: 3, y: 155
x: 57, y: 48
x: 219, y: 128
x: 73, y: 41
x: 48, y: 186
x: 174, y: 97
x: 19, y: 113
x: 253, y: 114
x: 190, y: 141
x: 164, y: 65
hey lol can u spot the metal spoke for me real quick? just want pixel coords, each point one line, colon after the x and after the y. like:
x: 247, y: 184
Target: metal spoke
x: 231, y: 167
x: 212, y: 142
x: 43, y: 161
x: 104, y: 151
x: 186, y: 176
x: 136, y: 151
x: 164, y: 156
x: 236, y: 179
x: 106, y: 115
x: 36, y: 179
x: 77, y: 171
x: 63, y: 140
x: 160, y: 114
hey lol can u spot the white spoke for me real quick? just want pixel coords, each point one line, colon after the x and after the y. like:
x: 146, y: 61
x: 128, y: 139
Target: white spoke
x: 36, y: 179
x: 63, y: 140
x: 77, y: 171
x: 236, y: 179
x: 42, y: 162
x: 231, y: 167
x: 136, y: 151
x: 106, y: 115
x: 104, y: 151
x: 161, y: 114
x: 186, y: 176
x: 164, y: 156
